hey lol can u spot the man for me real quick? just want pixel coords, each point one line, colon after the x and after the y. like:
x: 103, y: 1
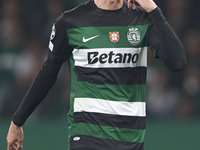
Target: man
x: 106, y: 45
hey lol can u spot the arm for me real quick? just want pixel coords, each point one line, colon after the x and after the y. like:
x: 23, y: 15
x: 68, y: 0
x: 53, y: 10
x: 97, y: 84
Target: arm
x: 59, y: 52
x: 162, y: 38
x: 164, y: 41
x: 44, y: 81
x: 35, y: 95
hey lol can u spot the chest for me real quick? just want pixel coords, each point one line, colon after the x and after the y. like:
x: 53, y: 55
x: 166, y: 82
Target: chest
x: 109, y: 47
x: 108, y: 37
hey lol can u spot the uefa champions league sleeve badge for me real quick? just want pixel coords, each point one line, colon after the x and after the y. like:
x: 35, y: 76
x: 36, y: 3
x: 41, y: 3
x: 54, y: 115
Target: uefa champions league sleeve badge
x: 133, y: 36
x: 53, y: 34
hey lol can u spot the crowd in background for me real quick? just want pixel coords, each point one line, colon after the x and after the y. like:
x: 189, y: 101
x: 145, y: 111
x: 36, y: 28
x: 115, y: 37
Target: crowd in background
x: 25, y: 28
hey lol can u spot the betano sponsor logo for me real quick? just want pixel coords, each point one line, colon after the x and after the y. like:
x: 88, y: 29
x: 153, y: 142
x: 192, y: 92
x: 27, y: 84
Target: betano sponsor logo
x: 111, y: 57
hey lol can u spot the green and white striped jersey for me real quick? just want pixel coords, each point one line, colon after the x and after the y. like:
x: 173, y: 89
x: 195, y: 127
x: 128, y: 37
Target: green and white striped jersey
x: 107, y: 51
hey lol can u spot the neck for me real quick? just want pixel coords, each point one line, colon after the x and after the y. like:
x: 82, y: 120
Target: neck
x: 109, y: 4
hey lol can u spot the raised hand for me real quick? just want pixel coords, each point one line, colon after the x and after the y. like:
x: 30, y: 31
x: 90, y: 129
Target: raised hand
x: 147, y: 5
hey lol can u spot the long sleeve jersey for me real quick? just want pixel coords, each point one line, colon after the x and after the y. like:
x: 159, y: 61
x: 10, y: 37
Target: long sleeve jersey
x: 107, y: 51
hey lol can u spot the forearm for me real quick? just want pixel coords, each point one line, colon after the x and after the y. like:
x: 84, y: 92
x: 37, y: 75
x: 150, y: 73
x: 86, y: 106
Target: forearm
x: 37, y: 92
x: 169, y: 48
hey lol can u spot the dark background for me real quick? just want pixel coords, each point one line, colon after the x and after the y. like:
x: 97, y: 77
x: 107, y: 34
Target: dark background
x: 173, y: 98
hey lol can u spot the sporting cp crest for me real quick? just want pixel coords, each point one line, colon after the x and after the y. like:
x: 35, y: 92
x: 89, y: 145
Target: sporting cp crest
x: 133, y: 36
x: 114, y: 36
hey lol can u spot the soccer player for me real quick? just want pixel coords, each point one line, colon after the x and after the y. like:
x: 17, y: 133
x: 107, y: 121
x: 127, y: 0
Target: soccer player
x: 106, y: 43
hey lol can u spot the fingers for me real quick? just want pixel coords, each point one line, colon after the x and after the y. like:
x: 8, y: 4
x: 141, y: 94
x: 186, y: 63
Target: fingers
x: 147, y: 5
x: 15, y: 146
x: 19, y: 145
x: 14, y: 137
x: 132, y: 3
x: 10, y: 144
x: 134, y: 6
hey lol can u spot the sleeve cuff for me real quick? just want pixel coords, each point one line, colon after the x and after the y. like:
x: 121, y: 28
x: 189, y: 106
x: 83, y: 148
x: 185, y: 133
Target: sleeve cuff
x: 155, y: 12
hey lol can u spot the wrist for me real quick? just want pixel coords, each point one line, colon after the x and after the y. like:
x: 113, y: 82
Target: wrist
x: 14, y: 125
x: 151, y: 8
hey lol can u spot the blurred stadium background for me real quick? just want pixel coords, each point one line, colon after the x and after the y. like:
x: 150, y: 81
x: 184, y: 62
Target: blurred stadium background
x: 173, y: 98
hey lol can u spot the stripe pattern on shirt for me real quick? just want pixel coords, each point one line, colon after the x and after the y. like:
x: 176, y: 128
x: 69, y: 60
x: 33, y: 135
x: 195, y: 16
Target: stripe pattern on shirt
x: 110, y: 107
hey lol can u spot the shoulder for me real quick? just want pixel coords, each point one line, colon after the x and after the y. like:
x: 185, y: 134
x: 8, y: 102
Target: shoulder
x: 67, y: 18
x: 138, y: 15
x: 78, y: 10
x: 140, y: 11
